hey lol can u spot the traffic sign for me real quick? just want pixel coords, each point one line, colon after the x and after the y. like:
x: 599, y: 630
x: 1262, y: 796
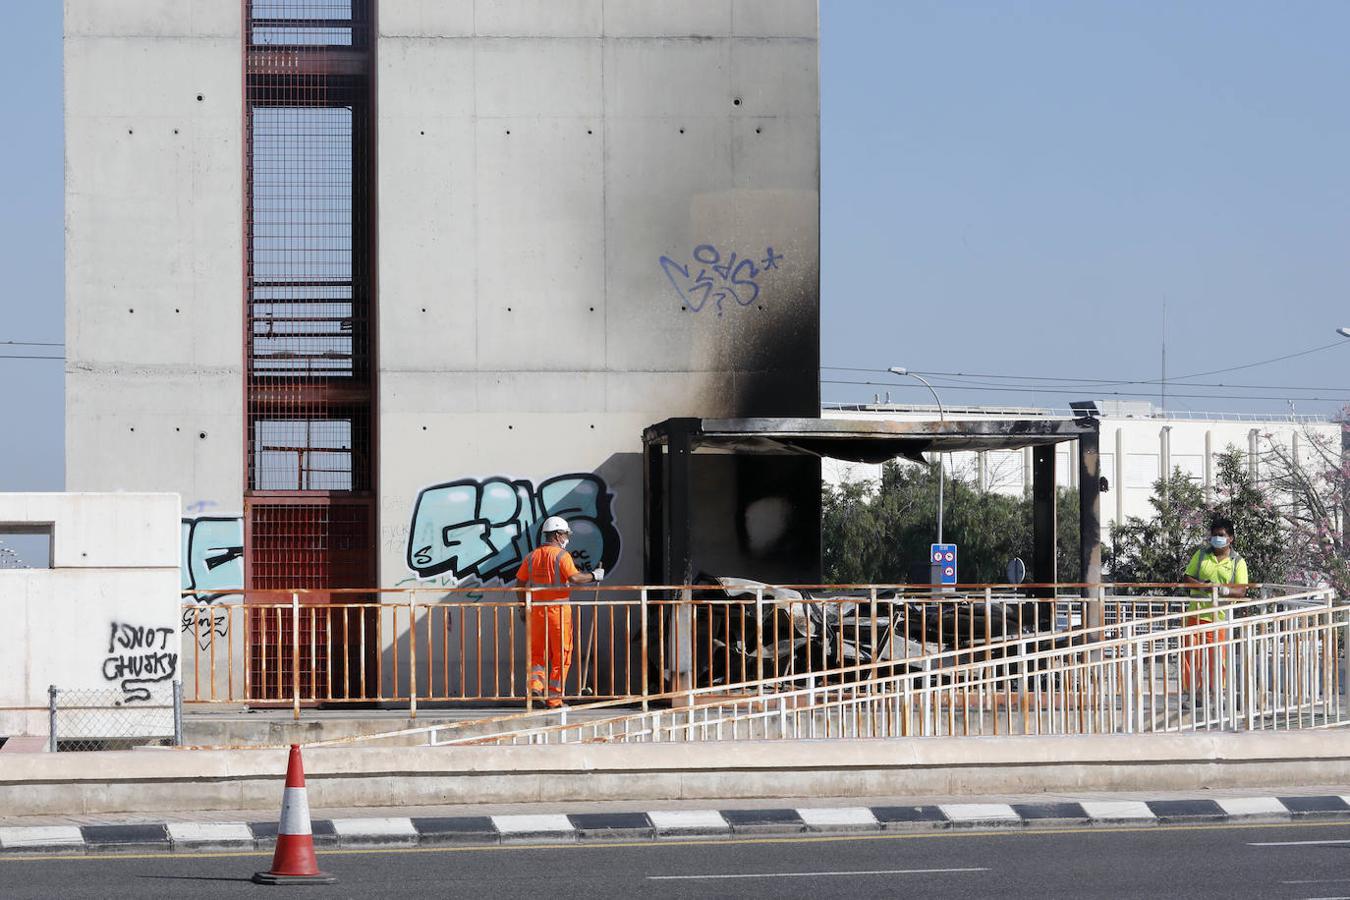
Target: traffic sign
x: 944, y: 563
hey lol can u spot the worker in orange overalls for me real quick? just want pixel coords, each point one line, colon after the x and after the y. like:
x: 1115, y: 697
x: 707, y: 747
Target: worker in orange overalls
x: 551, y: 615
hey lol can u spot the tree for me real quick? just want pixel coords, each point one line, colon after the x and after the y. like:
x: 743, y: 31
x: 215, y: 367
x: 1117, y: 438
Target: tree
x: 1310, y: 492
x: 1157, y: 549
x: 879, y: 531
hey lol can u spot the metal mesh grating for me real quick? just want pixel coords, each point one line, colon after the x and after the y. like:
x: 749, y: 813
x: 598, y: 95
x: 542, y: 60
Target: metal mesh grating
x: 309, y: 293
x: 300, y: 23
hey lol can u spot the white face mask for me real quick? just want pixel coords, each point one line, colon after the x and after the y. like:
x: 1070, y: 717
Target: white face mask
x: 1218, y: 541
x: 563, y: 543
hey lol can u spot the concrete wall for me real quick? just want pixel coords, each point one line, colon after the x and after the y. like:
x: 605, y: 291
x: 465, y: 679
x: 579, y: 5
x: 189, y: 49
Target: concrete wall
x: 537, y: 162
x: 104, y: 616
x: 195, y: 780
x: 547, y: 171
x: 154, y: 231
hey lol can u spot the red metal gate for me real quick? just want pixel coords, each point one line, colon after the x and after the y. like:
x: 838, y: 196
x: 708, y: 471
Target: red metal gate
x: 309, y: 333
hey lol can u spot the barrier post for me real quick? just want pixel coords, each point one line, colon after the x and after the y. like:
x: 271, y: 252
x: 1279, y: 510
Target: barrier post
x: 295, y: 655
x: 642, y: 606
x: 51, y: 718
x: 529, y: 608
x: 412, y: 654
x: 759, y: 638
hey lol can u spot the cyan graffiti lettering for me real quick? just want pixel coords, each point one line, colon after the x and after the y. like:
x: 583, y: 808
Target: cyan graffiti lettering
x: 483, y: 529
x: 213, y: 556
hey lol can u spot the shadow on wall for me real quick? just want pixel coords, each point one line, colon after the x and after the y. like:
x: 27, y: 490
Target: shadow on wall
x: 484, y: 528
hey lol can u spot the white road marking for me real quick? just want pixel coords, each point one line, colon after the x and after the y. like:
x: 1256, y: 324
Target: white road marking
x: 533, y: 824
x: 980, y: 812
x: 1294, y: 843
x: 1318, y: 881
x: 1252, y: 806
x: 842, y: 817
x: 687, y: 819
x: 378, y: 827
x: 811, y: 874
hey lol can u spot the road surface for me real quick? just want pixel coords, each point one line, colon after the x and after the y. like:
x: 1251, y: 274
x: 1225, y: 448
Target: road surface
x: 1278, y: 861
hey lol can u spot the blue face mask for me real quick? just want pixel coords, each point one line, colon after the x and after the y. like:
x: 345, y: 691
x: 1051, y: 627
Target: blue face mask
x: 1218, y: 541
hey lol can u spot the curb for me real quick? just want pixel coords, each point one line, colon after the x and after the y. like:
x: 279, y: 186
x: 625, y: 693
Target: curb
x: 660, y: 825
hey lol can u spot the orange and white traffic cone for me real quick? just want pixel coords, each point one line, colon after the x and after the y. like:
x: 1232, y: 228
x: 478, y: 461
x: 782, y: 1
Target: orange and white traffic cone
x: 294, y: 861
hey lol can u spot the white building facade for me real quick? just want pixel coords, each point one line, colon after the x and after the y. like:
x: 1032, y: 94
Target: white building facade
x: 1138, y: 445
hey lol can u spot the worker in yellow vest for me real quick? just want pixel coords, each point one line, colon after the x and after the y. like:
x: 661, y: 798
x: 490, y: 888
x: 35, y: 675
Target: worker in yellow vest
x: 1217, y: 563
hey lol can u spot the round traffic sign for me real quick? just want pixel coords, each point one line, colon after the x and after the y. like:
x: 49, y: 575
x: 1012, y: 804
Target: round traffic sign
x: 949, y: 571
x: 950, y: 556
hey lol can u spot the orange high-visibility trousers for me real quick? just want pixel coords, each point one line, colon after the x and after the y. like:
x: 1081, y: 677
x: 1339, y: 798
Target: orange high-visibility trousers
x: 1202, y: 665
x: 550, y: 649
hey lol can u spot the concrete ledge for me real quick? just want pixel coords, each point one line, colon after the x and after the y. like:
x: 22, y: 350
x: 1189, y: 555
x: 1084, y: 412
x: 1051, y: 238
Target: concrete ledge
x: 350, y: 777
x: 667, y: 825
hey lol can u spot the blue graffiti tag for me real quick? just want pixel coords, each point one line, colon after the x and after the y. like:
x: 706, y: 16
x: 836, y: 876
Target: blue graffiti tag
x: 483, y: 529
x: 213, y: 556
x: 718, y: 280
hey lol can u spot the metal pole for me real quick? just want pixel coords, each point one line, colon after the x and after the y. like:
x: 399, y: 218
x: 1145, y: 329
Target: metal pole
x: 529, y: 610
x: 178, y: 713
x: 942, y: 417
x: 295, y: 655
x: 51, y: 718
x: 412, y: 653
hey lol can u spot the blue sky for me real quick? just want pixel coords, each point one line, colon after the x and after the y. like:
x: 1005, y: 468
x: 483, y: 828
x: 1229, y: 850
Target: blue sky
x: 1018, y: 188
x: 1008, y: 188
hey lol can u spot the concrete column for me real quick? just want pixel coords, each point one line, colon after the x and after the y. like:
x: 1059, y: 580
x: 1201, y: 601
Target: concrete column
x: 982, y: 469
x: 1089, y: 509
x: 1165, y: 450
x: 1043, y: 526
x: 1028, y: 465
x: 1254, y: 452
x: 1043, y: 513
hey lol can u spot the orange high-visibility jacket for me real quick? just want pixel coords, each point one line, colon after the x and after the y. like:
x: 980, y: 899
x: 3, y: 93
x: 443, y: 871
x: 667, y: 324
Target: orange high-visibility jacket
x: 547, y: 565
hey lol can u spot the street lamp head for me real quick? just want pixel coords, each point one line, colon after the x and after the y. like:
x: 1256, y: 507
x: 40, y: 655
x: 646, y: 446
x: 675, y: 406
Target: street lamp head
x: 901, y: 370
x: 1343, y: 332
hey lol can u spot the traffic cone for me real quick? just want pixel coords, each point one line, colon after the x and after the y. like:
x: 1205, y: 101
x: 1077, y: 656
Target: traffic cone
x: 294, y: 861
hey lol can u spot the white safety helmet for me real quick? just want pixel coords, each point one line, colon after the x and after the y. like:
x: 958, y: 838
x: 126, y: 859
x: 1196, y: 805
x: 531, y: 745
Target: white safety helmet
x: 556, y: 523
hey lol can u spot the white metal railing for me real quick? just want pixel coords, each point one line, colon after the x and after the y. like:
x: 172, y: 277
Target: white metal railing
x: 1272, y: 663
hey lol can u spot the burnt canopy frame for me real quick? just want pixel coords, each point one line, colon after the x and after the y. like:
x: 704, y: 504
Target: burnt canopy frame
x: 669, y: 447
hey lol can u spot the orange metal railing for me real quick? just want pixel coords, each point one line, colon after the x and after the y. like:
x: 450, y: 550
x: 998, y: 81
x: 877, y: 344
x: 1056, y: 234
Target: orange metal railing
x: 466, y: 646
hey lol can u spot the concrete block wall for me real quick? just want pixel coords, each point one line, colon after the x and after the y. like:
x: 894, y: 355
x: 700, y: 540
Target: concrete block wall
x: 154, y: 248
x: 548, y: 171
x: 104, y: 616
x: 537, y: 162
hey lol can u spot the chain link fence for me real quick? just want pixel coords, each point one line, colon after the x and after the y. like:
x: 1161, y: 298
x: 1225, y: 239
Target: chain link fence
x: 104, y: 719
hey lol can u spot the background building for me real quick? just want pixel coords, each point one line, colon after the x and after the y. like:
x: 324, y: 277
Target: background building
x: 1139, y: 444
x: 376, y: 286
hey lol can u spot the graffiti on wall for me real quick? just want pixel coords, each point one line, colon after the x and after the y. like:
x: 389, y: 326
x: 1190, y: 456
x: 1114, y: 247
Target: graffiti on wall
x: 139, y: 656
x: 212, y: 569
x: 720, y: 279
x: 482, y: 529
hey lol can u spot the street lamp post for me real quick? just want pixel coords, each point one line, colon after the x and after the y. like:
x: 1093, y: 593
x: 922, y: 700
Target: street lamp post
x: 942, y: 417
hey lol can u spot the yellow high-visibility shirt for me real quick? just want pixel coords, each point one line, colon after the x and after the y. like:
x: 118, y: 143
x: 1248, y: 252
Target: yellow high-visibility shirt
x: 1207, y: 567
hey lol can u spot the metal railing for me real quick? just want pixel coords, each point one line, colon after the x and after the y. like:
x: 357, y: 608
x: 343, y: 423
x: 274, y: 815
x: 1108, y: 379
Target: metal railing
x: 638, y: 645
x: 1272, y: 664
